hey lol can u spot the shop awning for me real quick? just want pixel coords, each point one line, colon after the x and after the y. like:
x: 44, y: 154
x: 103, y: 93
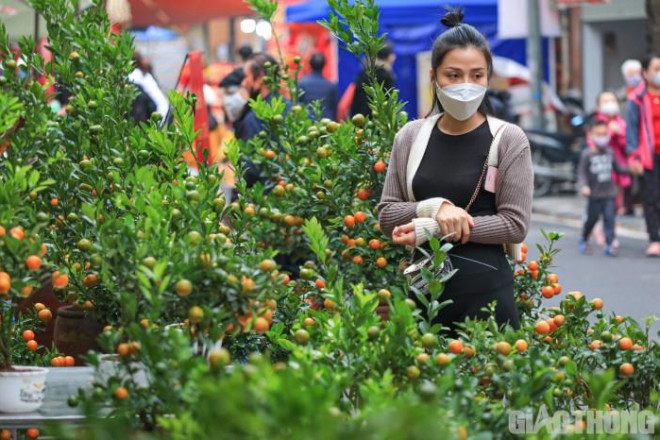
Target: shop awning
x: 578, y: 2
x: 397, y: 12
x: 184, y: 12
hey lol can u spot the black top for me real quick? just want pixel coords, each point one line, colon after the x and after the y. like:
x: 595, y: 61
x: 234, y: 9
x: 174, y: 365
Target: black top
x: 451, y: 167
x: 360, y: 102
x: 316, y: 87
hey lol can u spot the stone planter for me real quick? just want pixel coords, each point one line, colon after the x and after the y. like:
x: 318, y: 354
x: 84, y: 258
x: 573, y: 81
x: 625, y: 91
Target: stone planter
x: 110, y: 366
x: 22, y: 390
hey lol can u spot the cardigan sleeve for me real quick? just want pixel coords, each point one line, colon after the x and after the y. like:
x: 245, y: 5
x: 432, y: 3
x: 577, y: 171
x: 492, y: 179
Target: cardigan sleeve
x: 515, y: 189
x: 394, y: 208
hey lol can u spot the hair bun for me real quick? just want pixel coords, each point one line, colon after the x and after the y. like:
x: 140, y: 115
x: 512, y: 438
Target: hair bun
x: 453, y: 17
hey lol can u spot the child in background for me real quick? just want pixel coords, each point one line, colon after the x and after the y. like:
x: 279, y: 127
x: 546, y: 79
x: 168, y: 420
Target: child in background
x: 608, y: 110
x: 596, y: 183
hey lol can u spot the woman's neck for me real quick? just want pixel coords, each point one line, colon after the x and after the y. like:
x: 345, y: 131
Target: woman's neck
x: 652, y: 89
x: 449, y: 125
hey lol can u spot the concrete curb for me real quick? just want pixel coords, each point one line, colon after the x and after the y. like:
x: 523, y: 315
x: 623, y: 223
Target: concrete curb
x: 575, y: 222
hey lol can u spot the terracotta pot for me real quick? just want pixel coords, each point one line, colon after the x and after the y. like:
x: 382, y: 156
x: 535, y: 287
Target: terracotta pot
x: 46, y: 296
x: 76, y: 333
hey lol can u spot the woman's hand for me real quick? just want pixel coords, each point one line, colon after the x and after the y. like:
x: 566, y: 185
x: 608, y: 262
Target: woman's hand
x: 455, y: 223
x: 614, y: 127
x: 636, y: 168
x: 404, y: 235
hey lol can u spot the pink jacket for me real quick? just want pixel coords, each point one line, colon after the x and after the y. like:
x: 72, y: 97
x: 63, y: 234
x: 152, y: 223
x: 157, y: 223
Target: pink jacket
x: 640, y: 137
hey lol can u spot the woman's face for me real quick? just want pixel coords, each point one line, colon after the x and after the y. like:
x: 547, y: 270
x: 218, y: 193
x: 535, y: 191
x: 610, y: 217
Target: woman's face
x: 461, y: 66
x: 606, y: 98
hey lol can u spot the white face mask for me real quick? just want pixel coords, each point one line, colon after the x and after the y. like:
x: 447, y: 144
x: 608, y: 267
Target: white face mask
x: 610, y: 108
x: 234, y: 105
x: 461, y: 100
x: 655, y: 79
x: 634, y: 80
x: 601, y: 141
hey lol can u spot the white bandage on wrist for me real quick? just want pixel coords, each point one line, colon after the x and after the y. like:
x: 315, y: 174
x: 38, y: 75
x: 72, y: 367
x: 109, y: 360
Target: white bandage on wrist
x: 422, y: 225
x: 429, y: 208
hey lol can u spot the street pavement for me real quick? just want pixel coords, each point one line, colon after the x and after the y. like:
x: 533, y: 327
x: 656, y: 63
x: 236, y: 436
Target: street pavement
x: 628, y: 284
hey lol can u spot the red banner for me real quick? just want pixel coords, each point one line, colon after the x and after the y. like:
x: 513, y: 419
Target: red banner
x: 192, y: 77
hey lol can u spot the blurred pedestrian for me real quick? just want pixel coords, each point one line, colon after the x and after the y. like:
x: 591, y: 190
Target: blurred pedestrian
x: 384, y: 75
x: 235, y: 103
x: 608, y: 111
x: 255, y: 85
x: 631, y: 70
x: 234, y: 98
x: 146, y: 82
x: 643, y: 145
x: 245, y: 52
x: 595, y: 181
x: 317, y: 87
x: 254, y: 82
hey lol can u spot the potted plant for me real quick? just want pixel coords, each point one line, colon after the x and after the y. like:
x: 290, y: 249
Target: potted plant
x: 23, y: 260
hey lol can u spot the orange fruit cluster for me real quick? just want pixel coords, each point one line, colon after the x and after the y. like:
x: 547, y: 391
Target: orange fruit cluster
x: 63, y: 361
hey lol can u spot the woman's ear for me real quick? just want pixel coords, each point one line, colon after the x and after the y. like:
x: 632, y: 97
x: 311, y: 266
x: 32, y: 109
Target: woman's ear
x: 432, y: 76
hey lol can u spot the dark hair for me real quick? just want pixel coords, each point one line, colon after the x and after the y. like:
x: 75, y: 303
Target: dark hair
x: 596, y: 122
x: 235, y: 78
x: 245, y: 52
x: 139, y: 62
x: 257, y: 62
x: 600, y: 95
x: 385, y: 52
x: 646, y: 62
x: 459, y: 36
x: 317, y: 62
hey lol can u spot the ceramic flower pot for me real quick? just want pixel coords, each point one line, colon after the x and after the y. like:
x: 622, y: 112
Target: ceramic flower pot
x: 22, y: 389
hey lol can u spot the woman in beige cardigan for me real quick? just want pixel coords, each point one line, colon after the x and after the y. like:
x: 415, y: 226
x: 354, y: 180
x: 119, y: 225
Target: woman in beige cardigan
x: 443, y: 164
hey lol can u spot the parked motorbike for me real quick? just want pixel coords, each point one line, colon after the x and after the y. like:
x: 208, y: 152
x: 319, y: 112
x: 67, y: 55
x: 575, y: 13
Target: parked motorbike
x: 555, y: 158
x: 555, y: 155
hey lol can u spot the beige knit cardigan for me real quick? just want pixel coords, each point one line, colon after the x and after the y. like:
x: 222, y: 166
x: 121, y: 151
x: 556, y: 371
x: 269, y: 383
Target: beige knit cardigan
x: 514, y: 189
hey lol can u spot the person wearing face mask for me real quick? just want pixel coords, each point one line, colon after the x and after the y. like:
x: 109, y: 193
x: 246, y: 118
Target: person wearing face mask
x: 643, y: 146
x: 608, y: 111
x: 631, y: 70
x: 234, y: 104
x: 250, y: 125
x: 596, y: 183
x: 234, y: 101
x: 441, y: 180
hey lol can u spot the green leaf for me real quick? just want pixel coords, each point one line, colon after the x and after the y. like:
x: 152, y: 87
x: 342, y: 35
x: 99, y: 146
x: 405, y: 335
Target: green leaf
x: 571, y: 368
x: 285, y: 343
x: 318, y: 240
x: 435, y: 244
